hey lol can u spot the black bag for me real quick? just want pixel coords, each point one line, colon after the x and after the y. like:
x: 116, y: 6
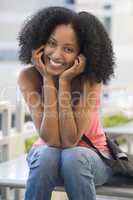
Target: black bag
x: 121, y: 162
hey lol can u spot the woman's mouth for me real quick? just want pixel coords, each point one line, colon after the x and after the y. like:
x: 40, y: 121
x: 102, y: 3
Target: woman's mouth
x: 54, y: 64
x: 57, y: 65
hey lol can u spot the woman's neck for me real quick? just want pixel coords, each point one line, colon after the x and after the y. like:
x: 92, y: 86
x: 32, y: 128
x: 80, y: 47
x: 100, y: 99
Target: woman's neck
x: 56, y: 81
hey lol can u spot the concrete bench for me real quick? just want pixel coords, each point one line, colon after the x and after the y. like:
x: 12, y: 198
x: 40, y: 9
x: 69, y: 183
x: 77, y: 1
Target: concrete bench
x: 13, y: 175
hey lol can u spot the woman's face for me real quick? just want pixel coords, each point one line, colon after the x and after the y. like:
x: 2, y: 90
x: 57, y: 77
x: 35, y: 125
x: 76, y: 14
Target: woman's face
x: 61, y: 49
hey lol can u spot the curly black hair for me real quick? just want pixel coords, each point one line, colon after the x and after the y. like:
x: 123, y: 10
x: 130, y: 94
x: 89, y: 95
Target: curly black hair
x: 93, y: 39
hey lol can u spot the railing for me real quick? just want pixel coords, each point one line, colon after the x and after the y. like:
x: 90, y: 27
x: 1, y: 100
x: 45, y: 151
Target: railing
x: 6, y: 117
x: 12, y: 138
x: 5, y: 110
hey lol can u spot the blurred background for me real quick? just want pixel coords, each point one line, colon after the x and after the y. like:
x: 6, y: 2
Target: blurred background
x: 117, y: 17
x: 17, y: 131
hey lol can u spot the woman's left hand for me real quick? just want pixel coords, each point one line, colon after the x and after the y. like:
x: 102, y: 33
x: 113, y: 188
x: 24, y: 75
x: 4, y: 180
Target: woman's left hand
x: 77, y: 68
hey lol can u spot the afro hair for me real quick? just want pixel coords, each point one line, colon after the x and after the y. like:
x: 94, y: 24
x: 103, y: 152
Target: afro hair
x: 93, y: 39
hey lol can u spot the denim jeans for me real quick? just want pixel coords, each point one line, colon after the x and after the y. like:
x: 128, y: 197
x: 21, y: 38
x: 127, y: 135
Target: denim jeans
x: 78, y: 169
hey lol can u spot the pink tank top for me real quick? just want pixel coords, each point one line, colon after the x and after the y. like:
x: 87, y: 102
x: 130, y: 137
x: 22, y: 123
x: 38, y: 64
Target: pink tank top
x: 94, y: 131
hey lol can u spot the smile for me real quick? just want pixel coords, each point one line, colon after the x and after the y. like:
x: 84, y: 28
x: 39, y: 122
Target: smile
x: 54, y: 64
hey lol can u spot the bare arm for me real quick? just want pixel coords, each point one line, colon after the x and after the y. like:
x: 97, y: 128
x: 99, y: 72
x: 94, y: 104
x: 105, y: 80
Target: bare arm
x: 68, y: 128
x: 76, y: 121
x: 49, y: 129
x: 30, y: 85
x: 67, y: 122
x: 73, y: 122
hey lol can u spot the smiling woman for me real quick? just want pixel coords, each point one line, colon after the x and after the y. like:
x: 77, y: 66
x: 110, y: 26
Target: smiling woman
x: 71, y: 58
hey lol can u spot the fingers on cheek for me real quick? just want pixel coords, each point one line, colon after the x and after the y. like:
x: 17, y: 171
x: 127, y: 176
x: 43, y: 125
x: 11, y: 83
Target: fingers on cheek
x: 45, y: 59
x: 79, y: 60
x: 39, y: 61
x: 76, y: 62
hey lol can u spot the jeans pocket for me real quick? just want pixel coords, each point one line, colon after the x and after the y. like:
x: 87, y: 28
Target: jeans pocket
x: 33, y: 158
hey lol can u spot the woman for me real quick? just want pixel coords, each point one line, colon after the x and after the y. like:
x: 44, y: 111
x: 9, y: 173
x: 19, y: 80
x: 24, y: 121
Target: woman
x: 71, y: 58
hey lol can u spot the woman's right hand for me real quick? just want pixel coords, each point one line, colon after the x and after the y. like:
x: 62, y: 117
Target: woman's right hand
x: 37, y: 60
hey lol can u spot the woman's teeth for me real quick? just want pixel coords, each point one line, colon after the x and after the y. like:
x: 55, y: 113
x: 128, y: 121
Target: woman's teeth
x: 55, y: 64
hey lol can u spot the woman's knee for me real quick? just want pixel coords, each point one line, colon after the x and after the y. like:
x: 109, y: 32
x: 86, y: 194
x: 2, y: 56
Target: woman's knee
x: 44, y: 158
x: 73, y: 160
x: 80, y: 161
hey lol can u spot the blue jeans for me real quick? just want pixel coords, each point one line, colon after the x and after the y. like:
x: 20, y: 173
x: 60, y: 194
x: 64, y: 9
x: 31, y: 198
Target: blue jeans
x: 79, y: 169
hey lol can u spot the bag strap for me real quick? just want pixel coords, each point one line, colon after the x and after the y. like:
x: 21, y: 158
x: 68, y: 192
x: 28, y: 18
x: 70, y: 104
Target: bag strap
x: 89, y: 142
x: 115, y: 150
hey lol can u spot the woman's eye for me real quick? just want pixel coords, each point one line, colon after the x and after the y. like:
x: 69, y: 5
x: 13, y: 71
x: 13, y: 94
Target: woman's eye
x: 69, y: 50
x: 51, y: 43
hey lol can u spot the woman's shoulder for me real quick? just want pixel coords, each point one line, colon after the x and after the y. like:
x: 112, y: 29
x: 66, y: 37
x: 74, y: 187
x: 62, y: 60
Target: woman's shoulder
x: 30, y: 76
x: 91, y: 85
x: 83, y: 84
x: 29, y: 73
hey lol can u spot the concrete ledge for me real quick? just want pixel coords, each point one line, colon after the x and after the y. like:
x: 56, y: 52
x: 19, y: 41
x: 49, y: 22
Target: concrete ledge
x: 14, y: 173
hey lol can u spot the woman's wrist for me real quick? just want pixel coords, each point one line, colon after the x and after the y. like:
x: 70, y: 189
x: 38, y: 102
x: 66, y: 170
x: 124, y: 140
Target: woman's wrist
x: 64, y: 81
x: 48, y: 79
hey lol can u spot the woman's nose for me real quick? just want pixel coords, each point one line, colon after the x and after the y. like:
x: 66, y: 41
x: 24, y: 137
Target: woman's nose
x: 57, y: 54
